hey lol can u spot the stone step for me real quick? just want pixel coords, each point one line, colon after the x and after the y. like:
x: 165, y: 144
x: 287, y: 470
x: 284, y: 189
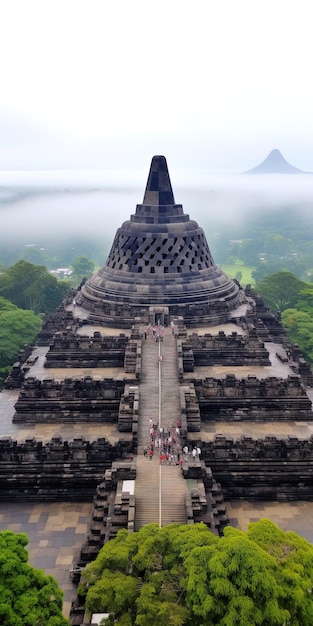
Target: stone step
x: 173, y: 507
x: 149, y: 496
x: 147, y: 491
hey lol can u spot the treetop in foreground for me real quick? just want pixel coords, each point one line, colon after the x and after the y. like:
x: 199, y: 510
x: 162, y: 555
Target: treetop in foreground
x: 185, y: 575
x: 27, y: 596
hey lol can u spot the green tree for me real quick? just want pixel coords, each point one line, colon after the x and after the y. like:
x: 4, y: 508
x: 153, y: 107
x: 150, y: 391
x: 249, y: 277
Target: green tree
x: 281, y: 290
x: 27, y: 596
x: 32, y: 287
x: 17, y: 328
x: 277, y: 245
x: 185, y: 575
x: 82, y: 268
x: 250, y: 250
x: 299, y: 327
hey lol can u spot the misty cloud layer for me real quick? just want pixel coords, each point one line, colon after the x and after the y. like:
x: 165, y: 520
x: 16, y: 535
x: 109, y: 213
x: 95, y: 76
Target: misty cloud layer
x: 36, y: 207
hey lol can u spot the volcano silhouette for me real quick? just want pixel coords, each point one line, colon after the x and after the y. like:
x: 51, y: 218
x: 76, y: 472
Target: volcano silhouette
x: 275, y: 163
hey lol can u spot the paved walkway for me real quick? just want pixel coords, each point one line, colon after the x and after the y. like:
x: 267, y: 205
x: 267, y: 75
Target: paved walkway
x: 56, y: 532
x: 296, y: 516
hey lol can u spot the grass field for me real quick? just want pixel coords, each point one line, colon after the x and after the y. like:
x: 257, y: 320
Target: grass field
x: 231, y: 271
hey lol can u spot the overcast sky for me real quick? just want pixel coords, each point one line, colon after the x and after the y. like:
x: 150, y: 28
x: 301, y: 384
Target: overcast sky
x: 109, y: 83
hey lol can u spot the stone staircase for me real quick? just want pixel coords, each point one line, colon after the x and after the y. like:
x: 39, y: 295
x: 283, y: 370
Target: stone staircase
x: 147, y: 491
x: 173, y: 492
x: 158, y: 485
x: 148, y: 392
x: 150, y: 405
x: 170, y: 388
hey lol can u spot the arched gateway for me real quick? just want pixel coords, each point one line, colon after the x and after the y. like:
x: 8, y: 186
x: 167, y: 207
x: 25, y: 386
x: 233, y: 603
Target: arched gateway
x: 160, y: 265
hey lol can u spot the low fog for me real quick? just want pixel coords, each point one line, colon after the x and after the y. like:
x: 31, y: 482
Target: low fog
x: 38, y: 207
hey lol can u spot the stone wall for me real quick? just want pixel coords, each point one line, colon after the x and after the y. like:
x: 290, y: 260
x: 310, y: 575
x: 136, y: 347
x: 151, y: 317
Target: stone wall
x: 67, y: 349
x: 204, y: 497
x: 223, y: 350
x: 70, y: 400
x: 253, y: 399
x: 190, y: 411
x: 60, y: 320
x: 269, y: 468
x: 113, y: 509
x: 268, y: 319
x: 57, y: 470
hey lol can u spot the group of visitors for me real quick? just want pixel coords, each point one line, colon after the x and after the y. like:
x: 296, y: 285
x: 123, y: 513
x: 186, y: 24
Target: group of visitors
x: 195, y: 453
x: 165, y: 442
x: 157, y: 332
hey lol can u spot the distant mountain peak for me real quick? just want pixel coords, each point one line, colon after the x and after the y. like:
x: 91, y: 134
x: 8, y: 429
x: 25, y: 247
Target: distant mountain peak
x: 275, y: 163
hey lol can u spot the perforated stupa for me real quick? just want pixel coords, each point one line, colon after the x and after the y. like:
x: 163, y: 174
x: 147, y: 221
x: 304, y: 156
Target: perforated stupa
x: 160, y: 263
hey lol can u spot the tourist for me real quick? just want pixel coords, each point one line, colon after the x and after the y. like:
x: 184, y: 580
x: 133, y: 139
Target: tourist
x: 194, y: 453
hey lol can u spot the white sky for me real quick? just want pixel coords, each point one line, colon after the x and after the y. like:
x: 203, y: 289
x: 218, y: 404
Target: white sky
x: 109, y: 83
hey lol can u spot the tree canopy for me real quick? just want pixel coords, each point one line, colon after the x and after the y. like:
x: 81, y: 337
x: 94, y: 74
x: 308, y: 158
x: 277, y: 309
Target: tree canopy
x: 32, y: 287
x: 17, y: 328
x: 281, y: 290
x: 185, y: 575
x: 82, y: 267
x: 27, y: 596
x: 294, y: 298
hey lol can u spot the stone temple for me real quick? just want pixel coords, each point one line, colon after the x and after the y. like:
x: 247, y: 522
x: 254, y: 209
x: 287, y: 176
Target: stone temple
x: 159, y: 391
x: 160, y: 265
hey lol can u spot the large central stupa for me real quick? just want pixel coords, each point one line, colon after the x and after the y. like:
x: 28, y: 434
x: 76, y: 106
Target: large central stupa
x: 160, y: 264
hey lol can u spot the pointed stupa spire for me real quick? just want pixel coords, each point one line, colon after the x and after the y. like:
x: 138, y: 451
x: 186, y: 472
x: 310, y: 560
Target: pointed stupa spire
x: 159, y: 189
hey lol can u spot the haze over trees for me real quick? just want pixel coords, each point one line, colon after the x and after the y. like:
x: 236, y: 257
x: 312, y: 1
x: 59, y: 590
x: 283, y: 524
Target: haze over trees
x: 187, y: 576
x: 268, y: 242
x: 27, y: 596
